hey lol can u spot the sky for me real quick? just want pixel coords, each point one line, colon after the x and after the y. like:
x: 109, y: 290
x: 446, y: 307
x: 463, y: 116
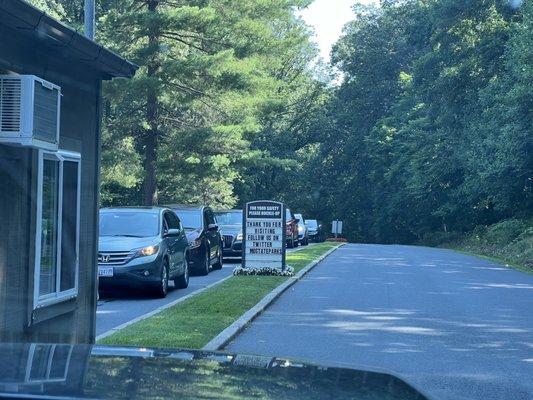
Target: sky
x: 328, y: 17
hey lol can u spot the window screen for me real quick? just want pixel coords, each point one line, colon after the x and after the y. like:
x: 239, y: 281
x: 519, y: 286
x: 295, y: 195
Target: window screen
x: 69, y: 225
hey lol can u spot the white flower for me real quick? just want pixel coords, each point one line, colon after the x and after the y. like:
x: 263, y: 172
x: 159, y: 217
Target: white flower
x: 264, y: 271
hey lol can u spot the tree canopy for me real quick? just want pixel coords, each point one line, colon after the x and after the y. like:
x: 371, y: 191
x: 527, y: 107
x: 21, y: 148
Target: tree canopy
x: 428, y: 131
x: 436, y: 115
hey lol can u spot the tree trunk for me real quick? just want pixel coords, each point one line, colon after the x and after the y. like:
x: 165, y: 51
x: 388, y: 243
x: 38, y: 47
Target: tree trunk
x: 151, y: 137
x: 150, y: 168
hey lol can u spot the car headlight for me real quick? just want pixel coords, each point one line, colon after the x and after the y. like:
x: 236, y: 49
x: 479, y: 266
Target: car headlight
x: 239, y: 237
x: 148, y: 251
x: 195, y: 243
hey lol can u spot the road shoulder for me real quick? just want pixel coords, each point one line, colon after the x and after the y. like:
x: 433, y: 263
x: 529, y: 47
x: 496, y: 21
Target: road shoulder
x: 240, y: 324
x: 193, y: 323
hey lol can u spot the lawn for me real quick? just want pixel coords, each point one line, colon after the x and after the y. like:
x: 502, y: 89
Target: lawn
x: 193, y: 323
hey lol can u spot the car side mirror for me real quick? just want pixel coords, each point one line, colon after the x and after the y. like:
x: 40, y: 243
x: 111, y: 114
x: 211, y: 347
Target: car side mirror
x: 212, y: 227
x: 172, y: 233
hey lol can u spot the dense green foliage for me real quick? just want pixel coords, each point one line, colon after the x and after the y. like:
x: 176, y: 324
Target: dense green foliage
x: 449, y: 147
x: 428, y: 133
x: 209, y: 71
x: 431, y: 128
x: 213, y: 75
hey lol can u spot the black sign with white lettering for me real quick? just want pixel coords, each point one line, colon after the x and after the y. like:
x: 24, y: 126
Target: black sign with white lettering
x: 264, y: 235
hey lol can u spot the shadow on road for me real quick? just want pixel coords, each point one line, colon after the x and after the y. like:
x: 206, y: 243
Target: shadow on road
x: 233, y: 261
x: 131, y: 293
x: 439, y: 318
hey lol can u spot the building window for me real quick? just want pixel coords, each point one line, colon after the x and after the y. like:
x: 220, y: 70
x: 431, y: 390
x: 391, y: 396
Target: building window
x: 48, y: 363
x: 49, y: 226
x: 57, y: 236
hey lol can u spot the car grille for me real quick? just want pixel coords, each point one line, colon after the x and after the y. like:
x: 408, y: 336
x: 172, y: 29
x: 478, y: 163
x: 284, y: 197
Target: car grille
x: 228, y: 240
x: 115, y: 257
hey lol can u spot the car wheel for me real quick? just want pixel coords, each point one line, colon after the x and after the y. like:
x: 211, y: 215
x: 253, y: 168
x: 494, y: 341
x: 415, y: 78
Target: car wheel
x: 296, y: 243
x: 218, y: 264
x: 306, y: 242
x: 182, y: 281
x: 162, y: 288
x: 205, y: 264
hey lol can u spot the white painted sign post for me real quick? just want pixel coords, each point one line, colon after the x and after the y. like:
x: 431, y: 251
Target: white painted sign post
x: 264, y: 235
x: 336, y: 227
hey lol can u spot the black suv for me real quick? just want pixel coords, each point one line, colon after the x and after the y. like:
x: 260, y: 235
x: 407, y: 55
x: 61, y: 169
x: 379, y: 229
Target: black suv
x: 142, y: 247
x: 203, y: 234
x: 316, y: 234
x: 230, y: 222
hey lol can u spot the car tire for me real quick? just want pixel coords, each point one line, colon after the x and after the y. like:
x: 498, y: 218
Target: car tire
x: 204, y: 270
x: 305, y: 242
x: 218, y: 264
x: 296, y: 243
x: 162, y: 288
x: 182, y: 281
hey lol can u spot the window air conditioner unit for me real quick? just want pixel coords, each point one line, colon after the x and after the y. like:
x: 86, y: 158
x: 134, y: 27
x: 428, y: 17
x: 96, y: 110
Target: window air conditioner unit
x: 29, y: 111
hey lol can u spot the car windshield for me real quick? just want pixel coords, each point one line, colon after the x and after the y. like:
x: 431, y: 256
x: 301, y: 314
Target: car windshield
x: 190, y: 219
x: 311, y: 223
x: 129, y: 223
x: 148, y: 149
x: 229, y: 218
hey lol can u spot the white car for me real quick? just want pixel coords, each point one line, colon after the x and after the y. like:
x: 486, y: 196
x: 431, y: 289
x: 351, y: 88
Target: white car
x: 303, y: 234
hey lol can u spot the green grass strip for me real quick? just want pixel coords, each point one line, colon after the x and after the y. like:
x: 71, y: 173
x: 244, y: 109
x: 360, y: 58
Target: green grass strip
x: 498, y: 260
x: 194, y: 322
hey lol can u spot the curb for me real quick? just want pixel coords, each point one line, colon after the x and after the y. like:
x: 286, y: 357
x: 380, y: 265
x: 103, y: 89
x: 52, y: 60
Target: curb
x: 159, y: 309
x: 224, y: 337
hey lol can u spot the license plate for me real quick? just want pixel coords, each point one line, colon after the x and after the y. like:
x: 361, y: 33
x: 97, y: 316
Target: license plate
x: 105, y: 271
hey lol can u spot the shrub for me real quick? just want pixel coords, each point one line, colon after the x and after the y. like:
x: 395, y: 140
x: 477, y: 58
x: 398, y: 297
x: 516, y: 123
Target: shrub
x: 439, y: 238
x: 339, y: 239
x: 510, y: 240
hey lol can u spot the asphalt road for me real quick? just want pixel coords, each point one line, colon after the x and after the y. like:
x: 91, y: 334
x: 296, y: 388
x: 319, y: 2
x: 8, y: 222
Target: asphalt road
x: 122, y: 306
x: 455, y: 326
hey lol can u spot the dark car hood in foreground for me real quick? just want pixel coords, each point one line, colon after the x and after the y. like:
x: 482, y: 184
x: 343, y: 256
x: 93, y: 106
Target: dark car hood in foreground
x: 124, y: 243
x: 83, y: 371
